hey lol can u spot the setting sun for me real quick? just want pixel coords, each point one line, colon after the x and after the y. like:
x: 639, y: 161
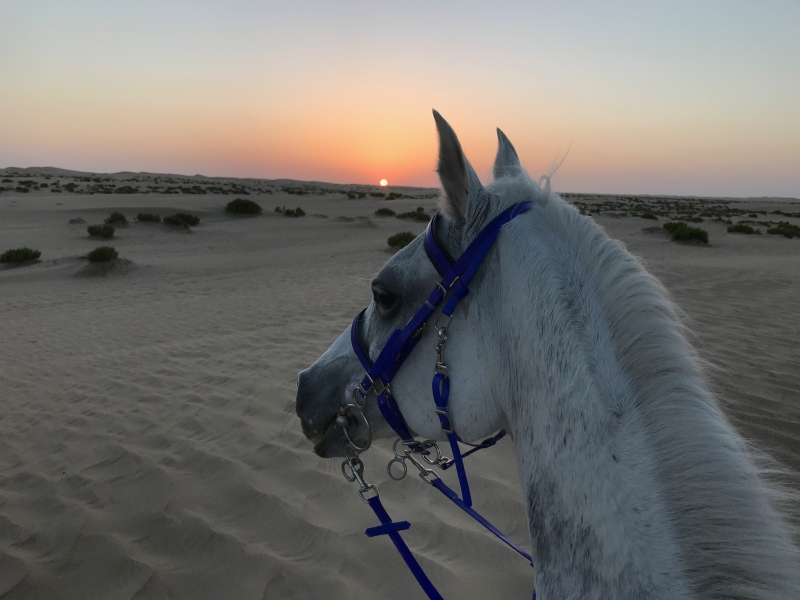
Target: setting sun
x: 384, y: 183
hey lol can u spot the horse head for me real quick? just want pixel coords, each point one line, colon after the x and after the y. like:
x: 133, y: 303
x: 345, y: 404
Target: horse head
x: 399, y: 289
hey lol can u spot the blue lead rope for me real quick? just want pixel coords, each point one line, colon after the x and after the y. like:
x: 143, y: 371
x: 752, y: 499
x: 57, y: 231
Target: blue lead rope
x: 393, y: 529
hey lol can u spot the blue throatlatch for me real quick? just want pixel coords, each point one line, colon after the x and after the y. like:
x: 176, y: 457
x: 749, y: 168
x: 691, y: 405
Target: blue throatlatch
x: 456, y: 276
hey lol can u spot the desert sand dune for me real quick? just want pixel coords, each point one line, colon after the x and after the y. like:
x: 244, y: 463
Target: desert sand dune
x: 148, y: 447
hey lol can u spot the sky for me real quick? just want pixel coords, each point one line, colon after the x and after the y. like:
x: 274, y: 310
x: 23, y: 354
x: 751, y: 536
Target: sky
x: 673, y: 97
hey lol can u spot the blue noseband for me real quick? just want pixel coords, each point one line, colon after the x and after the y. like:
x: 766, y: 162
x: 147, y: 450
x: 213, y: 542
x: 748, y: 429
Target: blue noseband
x: 449, y: 291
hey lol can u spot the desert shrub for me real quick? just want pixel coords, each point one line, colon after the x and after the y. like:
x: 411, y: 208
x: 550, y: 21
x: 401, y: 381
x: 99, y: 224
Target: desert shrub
x: 19, y: 255
x: 297, y: 212
x: 187, y: 218
x: 786, y: 229
x: 740, y: 228
x: 681, y: 231
x: 279, y: 208
x: 377, y: 194
x: 175, y: 221
x: 104, y: 231
x: 417, y: 215
x: 241, y: 206
x: 102, y: 254
x: 44, y: 185
x: 753, y: 215
x: 385, y: 212
x: 8, y: 181
x: 401, y: 240
x: 116, y: 217
x: 148, y: 217
x: 648, y: 215
x: 126, y: 189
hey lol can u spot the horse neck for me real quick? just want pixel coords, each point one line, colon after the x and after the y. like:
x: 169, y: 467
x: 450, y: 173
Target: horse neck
x: 636, y: 484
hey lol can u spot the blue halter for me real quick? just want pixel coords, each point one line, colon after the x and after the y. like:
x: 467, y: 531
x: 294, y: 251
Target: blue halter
x: 453, y: 287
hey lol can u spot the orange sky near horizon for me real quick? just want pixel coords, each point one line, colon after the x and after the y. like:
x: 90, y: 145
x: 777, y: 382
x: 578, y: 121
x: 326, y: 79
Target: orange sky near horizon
x: 670, y: 99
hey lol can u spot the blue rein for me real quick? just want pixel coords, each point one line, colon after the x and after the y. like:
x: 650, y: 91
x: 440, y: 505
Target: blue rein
x: 453, y: 287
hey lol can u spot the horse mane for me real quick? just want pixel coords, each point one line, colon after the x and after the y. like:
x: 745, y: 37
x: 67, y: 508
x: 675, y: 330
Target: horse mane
x: 725, y: 498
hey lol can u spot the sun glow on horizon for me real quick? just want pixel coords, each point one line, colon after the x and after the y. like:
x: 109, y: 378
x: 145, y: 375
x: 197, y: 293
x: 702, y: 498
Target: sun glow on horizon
x: 384, y: 183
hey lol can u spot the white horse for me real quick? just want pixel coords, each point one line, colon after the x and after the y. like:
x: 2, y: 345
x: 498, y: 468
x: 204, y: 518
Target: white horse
x: 636, y: 485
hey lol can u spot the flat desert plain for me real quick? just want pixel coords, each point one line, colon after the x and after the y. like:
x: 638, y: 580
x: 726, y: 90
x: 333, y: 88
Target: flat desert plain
x: 148, y: 446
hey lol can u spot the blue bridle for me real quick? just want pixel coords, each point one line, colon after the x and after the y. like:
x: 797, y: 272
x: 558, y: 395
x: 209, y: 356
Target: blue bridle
x: 449, y: 291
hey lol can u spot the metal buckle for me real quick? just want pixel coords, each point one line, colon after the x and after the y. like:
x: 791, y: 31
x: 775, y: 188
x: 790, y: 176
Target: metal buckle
x: 357, y: 474
x: 424, y: 472
x: 442, y: 412
x: 385, y: 389
x: 366, y: 391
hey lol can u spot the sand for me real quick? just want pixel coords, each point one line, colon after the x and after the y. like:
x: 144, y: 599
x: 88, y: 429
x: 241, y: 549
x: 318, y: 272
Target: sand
x: 148, y: 447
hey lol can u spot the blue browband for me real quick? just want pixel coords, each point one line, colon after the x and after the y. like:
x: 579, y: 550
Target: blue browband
x: 456, y: 276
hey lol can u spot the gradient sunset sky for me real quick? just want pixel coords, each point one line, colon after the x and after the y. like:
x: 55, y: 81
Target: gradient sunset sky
x: 669, y: 97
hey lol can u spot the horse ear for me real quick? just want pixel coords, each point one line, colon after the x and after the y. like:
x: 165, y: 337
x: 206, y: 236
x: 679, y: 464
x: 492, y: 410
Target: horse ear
x: 507, y: 162
x: 459, y: 181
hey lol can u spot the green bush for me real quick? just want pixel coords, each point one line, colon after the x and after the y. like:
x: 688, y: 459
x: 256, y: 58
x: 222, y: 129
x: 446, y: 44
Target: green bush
x: 241, y: 206
x: 417, y: 215
x: 19, y: 255
x: 102, y: 254
x: 148, y: 217
x: 187, y: 218
x: 786, y: 229
x: 385, y: 212
x: 297, y: 212
x: 105, y: 231
x: 116, y: 217
x: 681, y: 231
x: 401, y: 240
x: 175, y: 221
x: 739, y: 228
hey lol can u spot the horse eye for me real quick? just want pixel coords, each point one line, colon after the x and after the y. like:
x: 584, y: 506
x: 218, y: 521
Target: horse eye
x: 384, y: 298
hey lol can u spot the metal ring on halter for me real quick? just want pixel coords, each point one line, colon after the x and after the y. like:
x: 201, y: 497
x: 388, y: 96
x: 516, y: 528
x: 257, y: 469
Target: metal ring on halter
x: 357, y: 391
x: 402, y: 463
x: 428, y: 444
x: 358, y: 411
x: 394, y: 449
x: 351, y: 478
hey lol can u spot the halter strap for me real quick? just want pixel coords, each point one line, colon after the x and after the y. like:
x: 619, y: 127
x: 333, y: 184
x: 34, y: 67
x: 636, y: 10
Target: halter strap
x: 456, y: 275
